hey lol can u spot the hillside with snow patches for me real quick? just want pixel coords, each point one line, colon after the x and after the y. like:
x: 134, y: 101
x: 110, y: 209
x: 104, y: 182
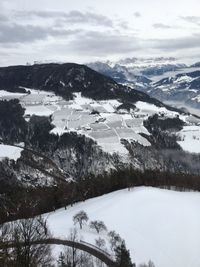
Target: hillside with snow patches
x: 150, y: 67
x: 156, y: 224
x: 93, y: 125
x: 104, y: 121
x: 166, y: 79
x: 10, y: 152
x: 83, y: 123
x: 183, y: 88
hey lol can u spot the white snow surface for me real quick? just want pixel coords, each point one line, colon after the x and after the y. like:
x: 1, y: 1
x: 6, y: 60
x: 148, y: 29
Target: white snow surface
x: 156, y: 224
x: 38, y: 110
x: 10, y: 152
x: 190, y: 138
x: 102, y: 127
x: 4, y: 93
x: 151, y: 109
x: 107, y: 126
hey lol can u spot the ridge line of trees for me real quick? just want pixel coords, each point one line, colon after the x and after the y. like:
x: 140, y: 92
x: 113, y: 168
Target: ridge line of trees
x: 27, y: 202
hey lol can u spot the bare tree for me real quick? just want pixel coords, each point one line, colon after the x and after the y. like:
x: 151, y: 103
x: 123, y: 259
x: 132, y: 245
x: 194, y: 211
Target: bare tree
x: 72, y: 257
x: 22, y: 233
x: 80, y: 218
x: 72, y: 253
x: 99, y: 226
x: 100, y: 243
x: 61, y: 260
x: 5, y: 235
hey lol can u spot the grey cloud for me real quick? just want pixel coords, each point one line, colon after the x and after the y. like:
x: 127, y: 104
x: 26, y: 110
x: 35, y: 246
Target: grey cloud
x: 124, y: 25
x: 187, y: 42
x: 74, y: 16
x: 42, y: 14
x: 16, y: 33
x: 3, y: 18
x: 101, y: 43
x: 161, y: 26
x: 78, y: 17
x: 192, y: 19
x: 137, y: 14
x: 94, y: 43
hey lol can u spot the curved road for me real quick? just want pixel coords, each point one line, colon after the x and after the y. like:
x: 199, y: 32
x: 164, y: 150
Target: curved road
x: 98, y: 253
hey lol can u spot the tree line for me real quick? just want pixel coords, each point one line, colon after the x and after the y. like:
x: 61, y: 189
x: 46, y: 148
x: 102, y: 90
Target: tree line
x: 27, y: 202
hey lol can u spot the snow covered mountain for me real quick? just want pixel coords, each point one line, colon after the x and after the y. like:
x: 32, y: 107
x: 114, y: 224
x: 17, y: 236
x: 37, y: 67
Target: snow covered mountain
x: 121, y: 74
x: 166, y: 79
x: 63, y: 123
x: 63, y: 105
x: 184, y: 87
x: 196, y: 65
x: 134, y: 67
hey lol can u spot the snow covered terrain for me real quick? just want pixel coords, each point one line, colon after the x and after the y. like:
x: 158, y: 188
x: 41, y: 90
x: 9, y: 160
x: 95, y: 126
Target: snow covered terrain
x: 131, y: 69
x: 10, y: 152
x: 157, y: 224
x: 8, y: 95
x: 163, y: 78
x: 190, y: 139
x: 98, y: 120
x: 182, y: 87
x: 103, y: 121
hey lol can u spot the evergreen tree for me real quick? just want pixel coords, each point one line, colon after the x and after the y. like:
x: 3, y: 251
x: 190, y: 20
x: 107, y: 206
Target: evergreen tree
x: 123, y: 258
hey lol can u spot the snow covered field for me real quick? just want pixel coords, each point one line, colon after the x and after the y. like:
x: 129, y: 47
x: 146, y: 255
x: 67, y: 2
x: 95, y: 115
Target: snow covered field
x: 157, y: 224
x: 190, y: 139
x: 10, y: 152
x: 106, y: 126
x: 100, y: 120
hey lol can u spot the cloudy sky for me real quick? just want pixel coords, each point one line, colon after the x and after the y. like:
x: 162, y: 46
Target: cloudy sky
x: 88, y: 30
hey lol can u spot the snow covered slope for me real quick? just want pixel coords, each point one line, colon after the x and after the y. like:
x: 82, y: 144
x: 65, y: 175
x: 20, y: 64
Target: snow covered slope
x: 190, y: 139
x: 157, y: 224
x: 150, y: 67
x: 104, y: 121
x: 183, y: 88
x: 163, y: 78
x: 109, y: 119
x: 10, y: 152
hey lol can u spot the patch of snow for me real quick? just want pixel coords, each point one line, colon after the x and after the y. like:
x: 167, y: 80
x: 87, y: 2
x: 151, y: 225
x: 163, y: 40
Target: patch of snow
x: 62, y: 83
x: 185, y: 78
x: 81, y: 100
x: 190, y: 139
x: 112, y: 147
x: 38, y: 110
x: 196, y: 98
x: 10, y: 152
x: 9, y: 95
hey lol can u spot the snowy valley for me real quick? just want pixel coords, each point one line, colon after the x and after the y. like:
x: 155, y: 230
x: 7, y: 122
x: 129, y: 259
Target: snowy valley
x: 77, y: 140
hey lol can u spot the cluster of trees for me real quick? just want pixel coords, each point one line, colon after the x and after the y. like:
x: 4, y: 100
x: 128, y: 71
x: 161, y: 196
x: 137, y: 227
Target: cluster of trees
x: 163, y: 131
x: 72, y: 257
x: 19, y: 247
x: 117, y: 245
x: 164, y: 154
x: 81, y: 217
x: 13, y: 127
x: 16, y: 244
x: 155, y: 122
x: 23, y: 202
